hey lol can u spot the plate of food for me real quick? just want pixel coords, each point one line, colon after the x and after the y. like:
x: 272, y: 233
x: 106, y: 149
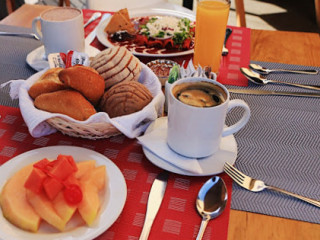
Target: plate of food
x: 22, y: 209
x: 149, y: 32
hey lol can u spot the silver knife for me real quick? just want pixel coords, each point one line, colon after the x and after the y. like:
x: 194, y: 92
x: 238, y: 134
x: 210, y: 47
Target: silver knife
x: 266, y: 92
x: 93, y: 34
x: 156, y: 194
x: 31, y: 35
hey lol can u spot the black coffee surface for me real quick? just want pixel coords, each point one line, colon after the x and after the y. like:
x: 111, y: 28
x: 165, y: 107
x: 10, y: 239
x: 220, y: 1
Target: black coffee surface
x: 199, y: 94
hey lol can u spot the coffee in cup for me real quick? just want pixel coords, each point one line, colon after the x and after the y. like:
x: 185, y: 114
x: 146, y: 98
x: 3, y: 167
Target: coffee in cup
x: 197, y: 110
x: 199, y: 94
x: 61, y: 30
x: 60, y: 14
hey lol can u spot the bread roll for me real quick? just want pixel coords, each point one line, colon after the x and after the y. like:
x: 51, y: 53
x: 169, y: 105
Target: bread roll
x: 125, y: 98
x: 117, y: 65
x: 48, y: 82
x: 85, y: 80
x: 68, y: 102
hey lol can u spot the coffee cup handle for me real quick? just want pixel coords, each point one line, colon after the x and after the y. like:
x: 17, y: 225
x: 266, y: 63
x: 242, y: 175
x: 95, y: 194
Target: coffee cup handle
x: 242, y: 122
x: 35, y: 27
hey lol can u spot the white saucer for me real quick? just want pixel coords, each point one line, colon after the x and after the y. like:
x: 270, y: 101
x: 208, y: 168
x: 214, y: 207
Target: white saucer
x: 37, y: 60
x: 211, y: 165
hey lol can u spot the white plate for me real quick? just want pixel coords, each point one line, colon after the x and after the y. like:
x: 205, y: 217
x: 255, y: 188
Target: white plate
x: 38, y: 61
x: 211, y: 165
x: 103, y: 38
x: 113, y: 200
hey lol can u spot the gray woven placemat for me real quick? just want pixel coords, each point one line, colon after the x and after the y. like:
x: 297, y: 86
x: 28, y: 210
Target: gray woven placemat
x: 13, y: 53
x: 280, y: 145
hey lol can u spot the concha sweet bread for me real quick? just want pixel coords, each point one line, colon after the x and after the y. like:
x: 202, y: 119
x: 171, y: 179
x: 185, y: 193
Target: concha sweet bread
x: 125, y: 98
x: 115, y: 65
x: 84, y: 79
x: 68, y: 102
x: 48, y: 82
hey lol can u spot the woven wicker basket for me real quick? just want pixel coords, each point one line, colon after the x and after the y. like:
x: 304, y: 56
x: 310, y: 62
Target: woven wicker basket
x: 99, y: 125
x: 91, y: 131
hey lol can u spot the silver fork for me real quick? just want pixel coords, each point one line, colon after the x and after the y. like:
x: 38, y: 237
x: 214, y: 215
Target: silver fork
x: 255, y: 185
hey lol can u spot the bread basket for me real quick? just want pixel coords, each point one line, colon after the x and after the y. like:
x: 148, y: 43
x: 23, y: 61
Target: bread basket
x: 90, y: 131
x: 99, y: 125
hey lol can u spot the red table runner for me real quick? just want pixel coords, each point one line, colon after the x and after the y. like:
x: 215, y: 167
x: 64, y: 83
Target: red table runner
x: 229, y: 73
x: 177, y: 217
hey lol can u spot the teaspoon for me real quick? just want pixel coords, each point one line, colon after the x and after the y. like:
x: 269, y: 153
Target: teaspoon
x: 92, y: 18
x: 263, y: 70
x: 225, y: 50
x: 211, y: 201
x: 258, y: 79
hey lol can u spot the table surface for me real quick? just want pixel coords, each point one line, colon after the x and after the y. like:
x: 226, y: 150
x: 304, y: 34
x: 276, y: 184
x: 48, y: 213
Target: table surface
x: 268, y: 46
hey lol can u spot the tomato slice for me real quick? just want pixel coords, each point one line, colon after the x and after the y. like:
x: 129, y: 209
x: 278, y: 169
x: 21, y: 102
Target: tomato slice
x: 72, y: 194
x: 141, y: 40
x: 186, y: 43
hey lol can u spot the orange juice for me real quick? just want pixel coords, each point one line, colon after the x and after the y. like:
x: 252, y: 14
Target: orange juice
x: 211, y: 23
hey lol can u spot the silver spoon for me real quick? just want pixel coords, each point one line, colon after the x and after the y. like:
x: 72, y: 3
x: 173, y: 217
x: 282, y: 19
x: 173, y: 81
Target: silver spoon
x: 92, y: 18
x: 225, y: 50
x: 31, y: 35
x: 263, y: 70
x: 258, y: 79
x: 211, y: 201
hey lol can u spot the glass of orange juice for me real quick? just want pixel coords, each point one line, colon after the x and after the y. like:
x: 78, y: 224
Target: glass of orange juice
x: 211, y: 22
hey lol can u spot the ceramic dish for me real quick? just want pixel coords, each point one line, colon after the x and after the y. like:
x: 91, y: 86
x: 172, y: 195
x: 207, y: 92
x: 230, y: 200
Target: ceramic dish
x: 161, y: 67
x: 114, y: 196
x: 210, y: 165
x: 103, y: 36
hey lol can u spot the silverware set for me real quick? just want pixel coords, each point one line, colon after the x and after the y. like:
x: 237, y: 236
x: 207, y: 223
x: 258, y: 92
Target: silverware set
x: 258, y: 75
x: 262, y: 80
x: 211, y: 202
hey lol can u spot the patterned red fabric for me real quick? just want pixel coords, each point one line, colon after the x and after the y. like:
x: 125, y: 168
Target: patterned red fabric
x: 229, y: 73
x: 177, y: 217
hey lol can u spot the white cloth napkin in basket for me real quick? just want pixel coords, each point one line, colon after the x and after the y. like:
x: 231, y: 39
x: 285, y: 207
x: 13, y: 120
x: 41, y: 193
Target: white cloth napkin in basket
x: 131, y: 125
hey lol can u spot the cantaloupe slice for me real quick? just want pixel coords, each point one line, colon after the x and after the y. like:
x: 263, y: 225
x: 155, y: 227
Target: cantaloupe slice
x: 91, y: 182
x: 84, y: 167
x: 44, y: 207
x: 90, y: 204
x: 15, y: 207
x: 96, y: 176
x: 63, y: 209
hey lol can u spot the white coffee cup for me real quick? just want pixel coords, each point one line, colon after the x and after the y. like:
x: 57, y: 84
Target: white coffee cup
x: 61, y: 30
x: 196, y: 131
